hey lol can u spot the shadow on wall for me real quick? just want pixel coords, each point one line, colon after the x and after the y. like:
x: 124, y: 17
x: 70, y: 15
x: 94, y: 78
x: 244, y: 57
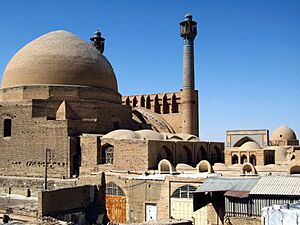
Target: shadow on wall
x: 84, y: 205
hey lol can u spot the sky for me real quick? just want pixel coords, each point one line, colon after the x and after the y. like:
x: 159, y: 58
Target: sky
x: 247, y: 53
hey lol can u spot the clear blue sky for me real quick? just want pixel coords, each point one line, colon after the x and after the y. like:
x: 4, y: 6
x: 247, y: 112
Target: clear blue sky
x: 247, y: 53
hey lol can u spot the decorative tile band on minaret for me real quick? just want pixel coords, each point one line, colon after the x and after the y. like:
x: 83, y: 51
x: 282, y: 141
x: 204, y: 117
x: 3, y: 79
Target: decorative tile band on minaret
x: 188, y: 32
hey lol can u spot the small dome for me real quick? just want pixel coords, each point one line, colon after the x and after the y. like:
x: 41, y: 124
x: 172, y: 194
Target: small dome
x: 59, y: 58
x: 150, y: 135
x: 122, y: 134
x: 250, y: 145
x: 283, y: 133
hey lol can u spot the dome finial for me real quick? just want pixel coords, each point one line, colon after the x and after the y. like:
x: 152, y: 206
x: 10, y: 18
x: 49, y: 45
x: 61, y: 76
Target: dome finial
x: 98, y: 41
x: 188, y: 17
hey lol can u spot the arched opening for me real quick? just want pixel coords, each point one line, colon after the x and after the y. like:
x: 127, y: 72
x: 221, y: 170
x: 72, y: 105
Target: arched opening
x: 127, y: 101
x: 134, y: 102
x: 186, y: 156
x: 115, y: 203
x: 248, y: 169
x: 148, y: 102
x: 216, y: 155
x: 167, y: 154
x: 166, y: 108
x: 158, y: 158
x: 185, y: 191
x: 201, y: 154
x: 293, y: 157
x: 142, y: 102
x: 269, y: 157
x: 243, y: 159
x: 242, y: 141
x: 180, y: 158
x: 253, y: 159
x: 234, y: 159
x: 165, y: 167
x: 174, y: 104
x: 295, y: 170
x: 156, y: 105
x: 107, y: 154
x: 204, y: 166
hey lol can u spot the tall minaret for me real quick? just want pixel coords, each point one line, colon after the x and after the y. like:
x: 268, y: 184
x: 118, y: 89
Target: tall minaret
x: 188, y: 31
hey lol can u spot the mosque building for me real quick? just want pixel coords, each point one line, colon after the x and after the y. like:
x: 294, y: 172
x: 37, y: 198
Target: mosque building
x: 61, y: 109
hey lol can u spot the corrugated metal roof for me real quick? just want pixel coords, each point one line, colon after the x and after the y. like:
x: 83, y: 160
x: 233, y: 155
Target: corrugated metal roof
x: 214, y: 184
x: 237, y: 194
x: 277, y: 185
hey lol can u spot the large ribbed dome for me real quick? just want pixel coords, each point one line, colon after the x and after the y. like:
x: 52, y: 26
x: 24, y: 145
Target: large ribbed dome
x: 59, y: 58
x: 283, y: 133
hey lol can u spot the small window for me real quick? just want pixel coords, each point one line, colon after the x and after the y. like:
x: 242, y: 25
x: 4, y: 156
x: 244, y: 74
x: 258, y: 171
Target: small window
x: 7, y: 127
x: 107, y: 154
x: 114, y: 190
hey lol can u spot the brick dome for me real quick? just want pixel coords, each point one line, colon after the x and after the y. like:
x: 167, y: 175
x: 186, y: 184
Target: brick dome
x: 59, y: 58
x: 283, y: 133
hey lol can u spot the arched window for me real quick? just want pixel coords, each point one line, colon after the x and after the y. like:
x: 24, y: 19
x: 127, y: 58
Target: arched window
x: 142, y: 103
x: 243, y: 159
x: 201, y: 155
x: 107, y: 154
x: 134, y: 102
x: 165, y: 105
x: 253, y: 160
x: 148, y: 102
x: 167, y: 154
x: 158, y: 158
x: 185, y: 156
x: 174, y: 104
x: 156, y: 105
x: 7, y: 128
x: 127, y: 101
x: 216, y: 155
x: 184, y: 192
x: 180, y: 158
x: 114, y: 190
x: 234, y: 159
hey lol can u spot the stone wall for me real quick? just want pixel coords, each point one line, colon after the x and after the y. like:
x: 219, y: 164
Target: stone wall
x: 87, y: 201
x: 23, y: 153
x: 20, y: 186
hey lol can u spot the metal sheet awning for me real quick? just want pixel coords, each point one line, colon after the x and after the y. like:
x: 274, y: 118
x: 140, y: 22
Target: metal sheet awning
x: 237, y: 194
x: 280, y: 185
x: 222, y: 184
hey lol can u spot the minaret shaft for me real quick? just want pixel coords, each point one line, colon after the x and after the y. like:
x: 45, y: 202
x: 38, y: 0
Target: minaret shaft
x: 189, y: 104
x: 188, y: 65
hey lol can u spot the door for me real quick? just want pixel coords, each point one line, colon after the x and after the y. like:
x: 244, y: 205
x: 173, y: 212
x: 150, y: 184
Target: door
x: 116, y: 208
x: 115, y: 203
x: 151, y: 212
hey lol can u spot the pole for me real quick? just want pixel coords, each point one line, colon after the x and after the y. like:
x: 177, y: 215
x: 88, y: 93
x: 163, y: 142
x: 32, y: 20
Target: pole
x: 46, y: 168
